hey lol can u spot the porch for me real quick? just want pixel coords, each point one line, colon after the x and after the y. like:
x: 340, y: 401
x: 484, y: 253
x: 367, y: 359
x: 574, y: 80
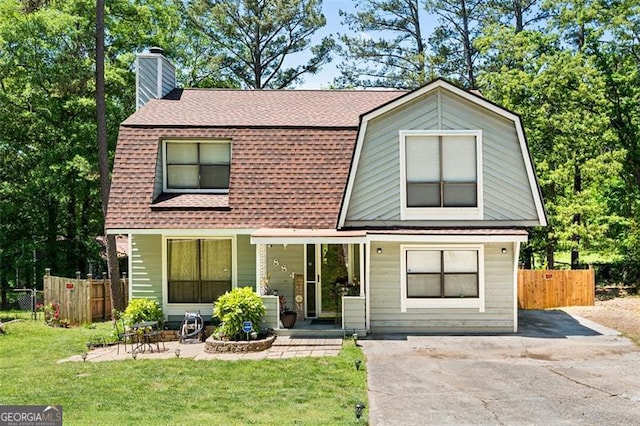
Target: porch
x: 350, y: 321
x: 314, y: 278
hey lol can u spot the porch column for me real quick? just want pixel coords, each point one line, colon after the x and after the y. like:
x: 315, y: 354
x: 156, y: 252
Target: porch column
x: 261, y: 266
x: 362, y: 262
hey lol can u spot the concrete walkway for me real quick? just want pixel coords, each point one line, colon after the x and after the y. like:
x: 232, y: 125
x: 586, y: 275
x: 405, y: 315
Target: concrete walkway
x: 283, y: 347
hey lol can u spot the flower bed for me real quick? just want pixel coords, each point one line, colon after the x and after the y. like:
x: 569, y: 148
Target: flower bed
x: 231, y: 346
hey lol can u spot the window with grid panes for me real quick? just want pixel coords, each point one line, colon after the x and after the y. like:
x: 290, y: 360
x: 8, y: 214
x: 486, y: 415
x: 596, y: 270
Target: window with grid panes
x: 197, y: 166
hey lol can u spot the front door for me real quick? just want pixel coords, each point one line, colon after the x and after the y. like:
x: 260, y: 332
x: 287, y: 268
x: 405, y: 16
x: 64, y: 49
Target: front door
x: 326, y: 274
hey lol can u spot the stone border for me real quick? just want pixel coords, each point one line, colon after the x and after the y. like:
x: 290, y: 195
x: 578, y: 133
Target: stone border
x: 213, y: 346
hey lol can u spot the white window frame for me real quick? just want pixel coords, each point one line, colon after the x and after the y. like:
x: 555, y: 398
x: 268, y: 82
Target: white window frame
x: 477, y: 303
x: 165, y: 187
x: 181, y: 308
x: 441, y: 213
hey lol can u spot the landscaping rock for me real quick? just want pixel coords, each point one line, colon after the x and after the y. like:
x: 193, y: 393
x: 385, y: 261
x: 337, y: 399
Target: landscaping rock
x: 228, y: 346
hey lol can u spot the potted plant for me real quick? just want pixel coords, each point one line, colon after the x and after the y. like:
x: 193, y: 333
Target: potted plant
x: 287, y: 316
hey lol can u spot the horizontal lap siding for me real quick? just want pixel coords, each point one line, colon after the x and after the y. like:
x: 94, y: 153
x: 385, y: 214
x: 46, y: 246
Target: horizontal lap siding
x: 507, y: 193
x: 146, y: 267
x: 246, y: 261
x: 376, y: 189
x: 293, y: 258
x: 385, y: 297
x: 375, y: 195
x: 354, y: 311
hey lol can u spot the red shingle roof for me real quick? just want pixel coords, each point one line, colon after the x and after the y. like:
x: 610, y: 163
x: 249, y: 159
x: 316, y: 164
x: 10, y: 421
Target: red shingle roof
x: 261, y: 108
x: 292, y: 178
x: 291, y: 152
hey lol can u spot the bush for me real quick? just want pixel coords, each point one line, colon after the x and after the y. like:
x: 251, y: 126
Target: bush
x: 235, y: 307
x: 140, y: 310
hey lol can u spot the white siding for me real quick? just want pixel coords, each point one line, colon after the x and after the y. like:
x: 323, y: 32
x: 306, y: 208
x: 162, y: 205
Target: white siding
x: 386, y: 315
x: 146, y: 267
x: 375, y: 198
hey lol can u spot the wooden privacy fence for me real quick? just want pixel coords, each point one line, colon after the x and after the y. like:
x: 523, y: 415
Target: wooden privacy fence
x: 81, y: 301
x: 542, y: 289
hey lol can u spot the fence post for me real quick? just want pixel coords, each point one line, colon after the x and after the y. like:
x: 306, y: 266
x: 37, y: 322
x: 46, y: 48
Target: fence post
x: 46, y: 286
x: 89, y: 286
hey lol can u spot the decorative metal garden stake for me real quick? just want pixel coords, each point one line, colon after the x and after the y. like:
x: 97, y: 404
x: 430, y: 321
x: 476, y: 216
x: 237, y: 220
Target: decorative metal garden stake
x: 177, y: 352
x: 357, y: 362
x: 359, y: 409
x: 84, y: 356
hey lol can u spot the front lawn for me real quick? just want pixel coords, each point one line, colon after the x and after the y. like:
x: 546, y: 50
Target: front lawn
x: 174, y: 391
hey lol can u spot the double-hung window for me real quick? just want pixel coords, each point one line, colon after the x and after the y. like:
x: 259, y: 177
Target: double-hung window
x: 197, y: 166
x: 445, y: 277
x: 199, y: 270
x: 441, y: 176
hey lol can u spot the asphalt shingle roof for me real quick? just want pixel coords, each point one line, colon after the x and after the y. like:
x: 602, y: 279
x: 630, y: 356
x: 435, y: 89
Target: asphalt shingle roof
x: 261, y: 108
x: 291, y: 153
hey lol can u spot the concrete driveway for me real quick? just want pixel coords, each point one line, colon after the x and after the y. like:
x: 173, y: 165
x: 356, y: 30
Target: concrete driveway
x: 558, y: 369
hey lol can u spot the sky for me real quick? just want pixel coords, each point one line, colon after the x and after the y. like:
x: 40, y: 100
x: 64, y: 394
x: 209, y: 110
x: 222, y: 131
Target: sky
x: 330, y: 8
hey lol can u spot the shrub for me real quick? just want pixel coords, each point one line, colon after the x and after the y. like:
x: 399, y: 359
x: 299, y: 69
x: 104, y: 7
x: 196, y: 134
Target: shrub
x: 140, y: 310
x: 235, y: 307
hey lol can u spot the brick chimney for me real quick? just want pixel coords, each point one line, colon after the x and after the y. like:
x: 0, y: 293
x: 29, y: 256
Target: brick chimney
x: 155, y: 76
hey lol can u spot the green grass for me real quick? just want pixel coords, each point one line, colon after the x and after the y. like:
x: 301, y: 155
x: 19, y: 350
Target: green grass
x: 174, y: 391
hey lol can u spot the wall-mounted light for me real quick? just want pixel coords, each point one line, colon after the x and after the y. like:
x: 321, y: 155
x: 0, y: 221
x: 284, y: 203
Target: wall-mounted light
x: 379, y: 250
x: 504, y: 250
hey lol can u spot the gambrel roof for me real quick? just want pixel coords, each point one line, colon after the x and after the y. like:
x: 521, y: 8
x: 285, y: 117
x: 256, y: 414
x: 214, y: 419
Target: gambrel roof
x: 293, y: 159
x: 290, y: 158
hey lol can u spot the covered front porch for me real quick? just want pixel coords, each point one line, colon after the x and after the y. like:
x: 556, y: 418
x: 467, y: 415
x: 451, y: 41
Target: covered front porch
x: 312, y: 281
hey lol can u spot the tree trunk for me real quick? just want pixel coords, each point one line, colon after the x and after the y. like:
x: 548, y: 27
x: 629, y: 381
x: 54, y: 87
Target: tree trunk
x: 467, y: 45
x: 117, y: 298
x: 527, y: 254
x: 518, y: 13
x: 577, y: 188
x: 551, y: 254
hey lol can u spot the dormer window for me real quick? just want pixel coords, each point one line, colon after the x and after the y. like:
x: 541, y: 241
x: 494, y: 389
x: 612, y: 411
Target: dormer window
x: 197, y: 166
x: 441, y: 174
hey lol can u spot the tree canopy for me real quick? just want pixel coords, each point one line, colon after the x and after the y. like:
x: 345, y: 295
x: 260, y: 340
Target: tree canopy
x: 254, y: 40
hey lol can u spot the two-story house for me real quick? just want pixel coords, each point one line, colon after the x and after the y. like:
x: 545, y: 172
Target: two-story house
x: 386, y: 211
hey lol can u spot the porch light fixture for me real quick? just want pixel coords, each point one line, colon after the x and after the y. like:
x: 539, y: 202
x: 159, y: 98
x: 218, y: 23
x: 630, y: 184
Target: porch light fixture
x: 379, y: 250
x: 357, y: 362
x: 359, y: 409
x: 504, y: 250
x: 177, y: 352
x: 83, y: 355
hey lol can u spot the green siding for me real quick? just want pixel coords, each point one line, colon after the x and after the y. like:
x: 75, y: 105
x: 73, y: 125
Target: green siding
x: 353, y: 319
x: 386, y: 315
x: 375, y: 197
x: 293, y: 258
x: 146, y: 267
x: 246, y: 255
